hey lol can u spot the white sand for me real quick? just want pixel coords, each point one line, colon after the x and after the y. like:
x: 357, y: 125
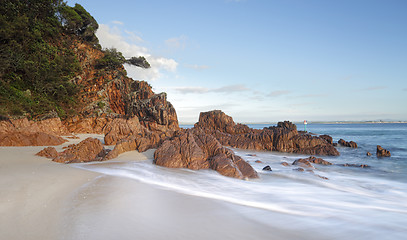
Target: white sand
x: 41, y: 199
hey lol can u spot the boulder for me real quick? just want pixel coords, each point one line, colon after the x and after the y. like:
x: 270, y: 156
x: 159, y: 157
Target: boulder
x: 286, y: 164
x: 350, y: 144
x: 354, y: 165
x: 267, y: 168
x: 49, y: 152
x: 120, y: 128
x: 327, y: 138
x: 90, y: 149
x: 195, y: 149
x: 303, y: 162
x: 368, y: 154
x: 381, y: 152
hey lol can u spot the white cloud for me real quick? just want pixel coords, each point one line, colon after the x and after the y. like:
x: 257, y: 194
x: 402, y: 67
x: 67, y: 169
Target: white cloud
x: 202, y: 90
x: 114, y: 37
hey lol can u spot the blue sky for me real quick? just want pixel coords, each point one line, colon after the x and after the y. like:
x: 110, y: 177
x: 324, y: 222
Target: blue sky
x: 266, y: 61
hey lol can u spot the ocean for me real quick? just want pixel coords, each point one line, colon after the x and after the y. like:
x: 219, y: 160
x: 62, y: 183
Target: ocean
x: 352, y: 203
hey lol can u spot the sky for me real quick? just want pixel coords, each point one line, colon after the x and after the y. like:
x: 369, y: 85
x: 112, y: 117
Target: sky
x: 266, y: 60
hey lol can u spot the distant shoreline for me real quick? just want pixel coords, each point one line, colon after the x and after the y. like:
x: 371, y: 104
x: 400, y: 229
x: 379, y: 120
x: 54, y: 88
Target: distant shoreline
x: 316, y: 122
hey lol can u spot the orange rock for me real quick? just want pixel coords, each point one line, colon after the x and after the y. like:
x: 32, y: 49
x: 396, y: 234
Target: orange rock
x: 90, y: 149
x: 29, y: 139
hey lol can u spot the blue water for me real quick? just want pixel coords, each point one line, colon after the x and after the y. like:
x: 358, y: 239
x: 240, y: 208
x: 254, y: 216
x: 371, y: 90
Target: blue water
x: 353, y: 203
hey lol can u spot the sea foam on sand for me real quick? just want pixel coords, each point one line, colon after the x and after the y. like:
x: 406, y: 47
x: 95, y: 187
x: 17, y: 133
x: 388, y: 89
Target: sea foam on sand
x: 41, y: 199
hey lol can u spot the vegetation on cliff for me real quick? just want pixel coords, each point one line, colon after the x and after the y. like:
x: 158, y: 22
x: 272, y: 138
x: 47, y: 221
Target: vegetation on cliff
x: 38, y: 61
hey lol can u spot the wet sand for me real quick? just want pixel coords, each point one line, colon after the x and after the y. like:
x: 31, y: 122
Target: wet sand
x: 41, y: 199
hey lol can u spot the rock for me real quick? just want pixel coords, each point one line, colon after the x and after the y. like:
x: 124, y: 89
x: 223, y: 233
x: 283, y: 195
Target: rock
x: 258, y: 161
x: 303, y: 162
x: 51, y: 126
x: 29, y: 139
x: 90, y: 149
x: 283, y: 138
x: 49, y: 152
x: 299, y: 169
x: 194, y: 149
x: 286, y: 164
x: 120, y: 128
x: 315, y: 160
x: 381, y: 152
x: 327, y: 138
x: 267, y: 168
x: 350, y: 144
x: 354, y: 165
x: 368, y: 154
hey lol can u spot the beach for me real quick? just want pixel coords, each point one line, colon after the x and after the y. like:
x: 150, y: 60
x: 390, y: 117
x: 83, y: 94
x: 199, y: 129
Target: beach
x: 129, y: 197
x: 41, y: 199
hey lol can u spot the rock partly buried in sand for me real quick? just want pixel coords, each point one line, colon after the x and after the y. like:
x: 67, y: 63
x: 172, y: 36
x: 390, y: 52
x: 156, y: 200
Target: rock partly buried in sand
x: 49, y: 152
x: 194, y: 149
x: 350, y: 144
x: 267, y: 168
x: 29, y: 139
x: 303, y: 162
x: 381, y: 152
x: 283, y: 138
x: 90, y: 149
x: 354, y: 165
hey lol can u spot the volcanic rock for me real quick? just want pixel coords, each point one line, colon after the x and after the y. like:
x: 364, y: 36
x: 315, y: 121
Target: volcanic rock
x: 90, y: 149
x: 194, y: 149
x: 381, y: 152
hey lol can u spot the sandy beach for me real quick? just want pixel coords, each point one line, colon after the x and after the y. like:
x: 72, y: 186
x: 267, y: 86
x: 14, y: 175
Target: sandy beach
x: 41, y: 199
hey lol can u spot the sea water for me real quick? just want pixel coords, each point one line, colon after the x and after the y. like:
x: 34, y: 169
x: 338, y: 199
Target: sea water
x: 333, y: 201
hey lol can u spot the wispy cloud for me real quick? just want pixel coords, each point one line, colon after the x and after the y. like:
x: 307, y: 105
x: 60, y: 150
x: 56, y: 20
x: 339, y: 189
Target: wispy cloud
x: 196, y: 66
x: 311, y: 95
x: 117, y: 22
x: 177, y: 43
x: 114, y: 37
x: 278, y: 93
x: 202, y: 90
x: 372, y: 88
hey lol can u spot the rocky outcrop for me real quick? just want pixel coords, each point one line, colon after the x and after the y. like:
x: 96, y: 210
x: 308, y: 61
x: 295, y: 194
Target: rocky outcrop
x: 90, y: 149
x: 327, y: 138
x: 350, y: 144
x: 120, y: 128
x: 108, y: 93
x: 194, y: 149
x: 381, y: 152
x: 29, y: 139
x: 283, y: 138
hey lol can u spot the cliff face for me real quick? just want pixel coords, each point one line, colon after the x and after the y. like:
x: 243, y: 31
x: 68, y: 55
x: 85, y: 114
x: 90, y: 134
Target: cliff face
x: 109, y: 93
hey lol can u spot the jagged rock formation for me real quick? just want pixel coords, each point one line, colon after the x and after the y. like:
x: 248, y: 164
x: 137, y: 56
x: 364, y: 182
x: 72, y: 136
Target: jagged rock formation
x: 283, y: 138
x: 90, y: 149
x: 350, y: 144
x: 108, y: 93
x: 381, y: 152
x: 21, y: 132
x: 194, y: 149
